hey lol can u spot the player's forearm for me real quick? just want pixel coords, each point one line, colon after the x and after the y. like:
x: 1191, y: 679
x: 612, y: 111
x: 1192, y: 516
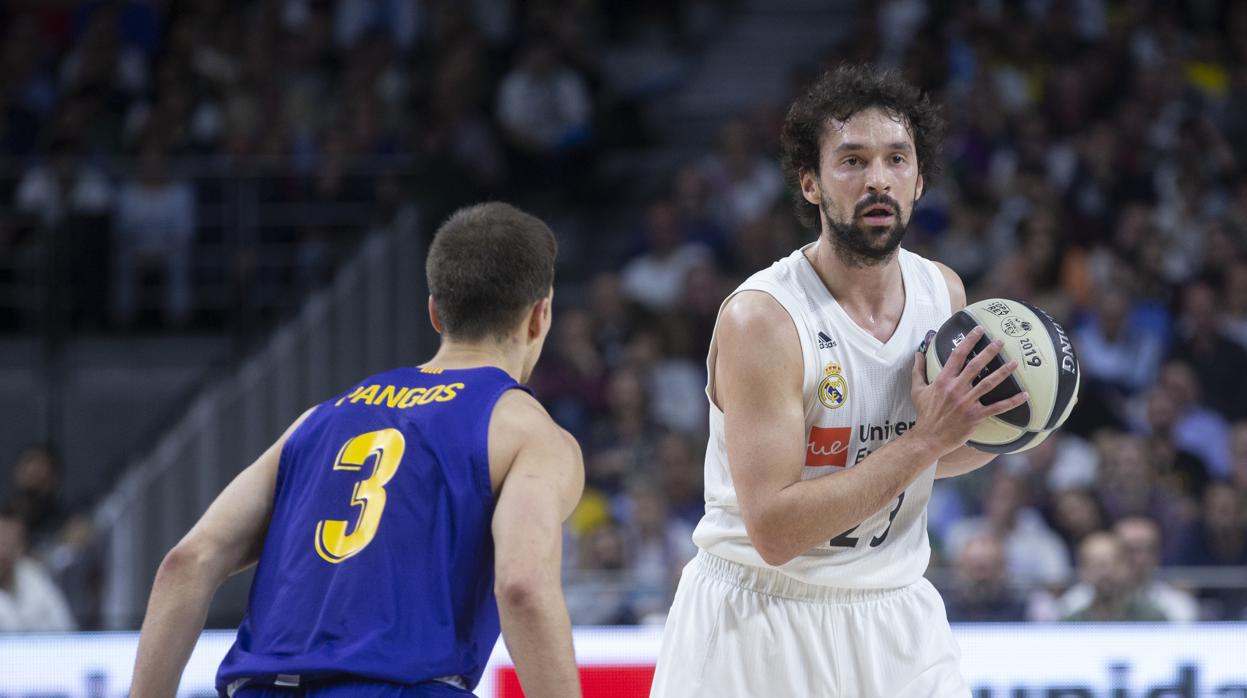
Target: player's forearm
x: 811, y: 512
x: 175, y: 616
x: 538, y: 634
x: 963, y: 460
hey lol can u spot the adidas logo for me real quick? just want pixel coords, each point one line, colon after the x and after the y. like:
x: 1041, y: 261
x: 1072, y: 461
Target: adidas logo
x: 825, y: 342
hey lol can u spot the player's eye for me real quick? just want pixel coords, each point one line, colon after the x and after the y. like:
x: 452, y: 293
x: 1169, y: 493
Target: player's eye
x: 851, y: 161
x: 898, y: 159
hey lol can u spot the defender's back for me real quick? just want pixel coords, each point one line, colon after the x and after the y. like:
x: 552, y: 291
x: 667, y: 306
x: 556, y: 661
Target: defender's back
x: 389, y: 481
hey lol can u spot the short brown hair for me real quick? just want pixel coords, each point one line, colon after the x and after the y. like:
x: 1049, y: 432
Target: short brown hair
x: 841, y: 93
x: 487, y: 264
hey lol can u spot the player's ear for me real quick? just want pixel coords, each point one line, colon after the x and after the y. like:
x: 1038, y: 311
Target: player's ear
x: 809, y: 187
x: 539, y: 318
x: 433, y: 318
x: 918, y: 188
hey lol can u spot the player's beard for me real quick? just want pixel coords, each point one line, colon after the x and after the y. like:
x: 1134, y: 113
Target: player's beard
x: 860, y: 245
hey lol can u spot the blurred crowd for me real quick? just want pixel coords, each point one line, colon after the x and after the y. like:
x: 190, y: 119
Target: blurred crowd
x: 139, y: 138
x: 1096, y: 165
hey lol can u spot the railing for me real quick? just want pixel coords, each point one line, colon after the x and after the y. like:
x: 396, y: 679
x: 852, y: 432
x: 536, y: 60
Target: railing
x: 370, y: 318
x: 264, y: 233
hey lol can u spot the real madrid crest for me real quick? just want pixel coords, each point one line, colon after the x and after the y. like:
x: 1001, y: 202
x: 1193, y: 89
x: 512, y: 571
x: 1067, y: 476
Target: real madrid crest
x: 833, y: 391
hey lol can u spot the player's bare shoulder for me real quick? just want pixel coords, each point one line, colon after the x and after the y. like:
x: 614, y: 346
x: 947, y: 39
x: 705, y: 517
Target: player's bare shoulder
x: 520, y: 422
x: 756, y: 339
x: 956, y: 289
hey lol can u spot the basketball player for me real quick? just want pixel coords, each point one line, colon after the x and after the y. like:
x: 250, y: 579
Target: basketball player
x: 386, y: 519
x: 825, y: 436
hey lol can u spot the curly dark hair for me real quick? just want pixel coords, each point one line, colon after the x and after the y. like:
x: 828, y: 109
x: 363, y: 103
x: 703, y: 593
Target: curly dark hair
x: 841, y: 93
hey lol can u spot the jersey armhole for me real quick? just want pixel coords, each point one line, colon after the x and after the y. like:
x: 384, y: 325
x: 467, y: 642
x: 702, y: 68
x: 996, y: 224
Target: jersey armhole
x: 482, y: 471
x: 283, y: 456
x: 941, y: 283
x: 713, y: 354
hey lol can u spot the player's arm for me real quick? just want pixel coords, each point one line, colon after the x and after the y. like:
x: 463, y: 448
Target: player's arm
x: 758, y: 386
x: 965, y: 459
x: 227, y: 539
x: 541, y: 486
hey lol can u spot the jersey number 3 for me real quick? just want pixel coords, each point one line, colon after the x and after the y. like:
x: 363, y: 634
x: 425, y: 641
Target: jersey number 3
x: 333, y: 543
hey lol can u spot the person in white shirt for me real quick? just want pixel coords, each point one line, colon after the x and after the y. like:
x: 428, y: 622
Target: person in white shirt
x: 544, y: 106
x: 1035, y: 555
x: 825, y: 435
x: 1140, y: 536
x: 29, y: 599
x: 154, y: 227
x: 655, y: 279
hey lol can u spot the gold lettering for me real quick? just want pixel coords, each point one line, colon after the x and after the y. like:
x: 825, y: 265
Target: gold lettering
x: 397, y: 399
x: 354, y: 392
x: 450, y: 394
x: 387, y: 395
x: 367, y: 395
x: 432, y: 394
x: 412, y: 397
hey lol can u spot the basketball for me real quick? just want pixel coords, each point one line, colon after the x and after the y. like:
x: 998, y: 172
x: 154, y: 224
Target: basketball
x: 1047, y: 370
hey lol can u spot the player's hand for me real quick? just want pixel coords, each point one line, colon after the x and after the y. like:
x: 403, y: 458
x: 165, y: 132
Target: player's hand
x: 948, y: 407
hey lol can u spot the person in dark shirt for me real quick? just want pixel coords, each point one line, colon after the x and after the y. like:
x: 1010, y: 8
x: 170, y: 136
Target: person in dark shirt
x: 981, y: 591
x: 1217, y: 360
x: 1220, y: 536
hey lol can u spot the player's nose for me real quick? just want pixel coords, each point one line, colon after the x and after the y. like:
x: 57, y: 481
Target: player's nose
x: 877, y: 180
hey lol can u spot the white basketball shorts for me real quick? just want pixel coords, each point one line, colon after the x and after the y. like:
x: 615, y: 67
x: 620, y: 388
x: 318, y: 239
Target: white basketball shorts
x: 737, y: 631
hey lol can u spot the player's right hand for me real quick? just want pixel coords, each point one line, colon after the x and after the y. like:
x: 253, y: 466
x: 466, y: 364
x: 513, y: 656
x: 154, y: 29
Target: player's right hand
x: 949, y: 407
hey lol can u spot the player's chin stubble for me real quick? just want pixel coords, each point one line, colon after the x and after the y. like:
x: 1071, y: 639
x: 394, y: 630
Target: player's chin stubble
x: 858, y: 245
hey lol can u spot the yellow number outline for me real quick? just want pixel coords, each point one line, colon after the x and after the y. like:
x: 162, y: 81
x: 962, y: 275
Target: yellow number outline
x: 333, y: 543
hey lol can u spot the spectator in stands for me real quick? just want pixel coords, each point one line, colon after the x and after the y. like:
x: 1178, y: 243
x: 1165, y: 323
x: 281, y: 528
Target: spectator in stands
x: 36, y: 493
x: 1220, y: 535
x: 29, y: 599
x: 655, y: 279
x: 760, y: 242
x: 1103, y: 565
x: 1140, y: 538
x: 1128, y: 487
x: 458, y: 134
x: 572, y: 379
x: 1076, y: 514
x: 1062, y: 461
x: 745, y: 184
x: 1176, y: 413
x: 64, y: 184
x: 627, y: 427
x: 608, y: 306
x: 963, y: 247
x: 1034, y: 554
x: 1234, y: 292
x: 1217, y: 360
x: 594, y: 598
x: 675, y: 383
x: 1112, y: 351
x: 1238, y: 461
x: 660, y: 546
x: 690, y: 192
x: 398, y: 20
x: 680, y: 470
x: 981, y: 591
x: 30, y: 94
x: 70, y: 199
x: 154, y: 228
x: 545, y: 110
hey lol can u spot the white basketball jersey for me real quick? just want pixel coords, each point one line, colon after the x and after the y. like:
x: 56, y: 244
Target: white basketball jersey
x: 856, y: 392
